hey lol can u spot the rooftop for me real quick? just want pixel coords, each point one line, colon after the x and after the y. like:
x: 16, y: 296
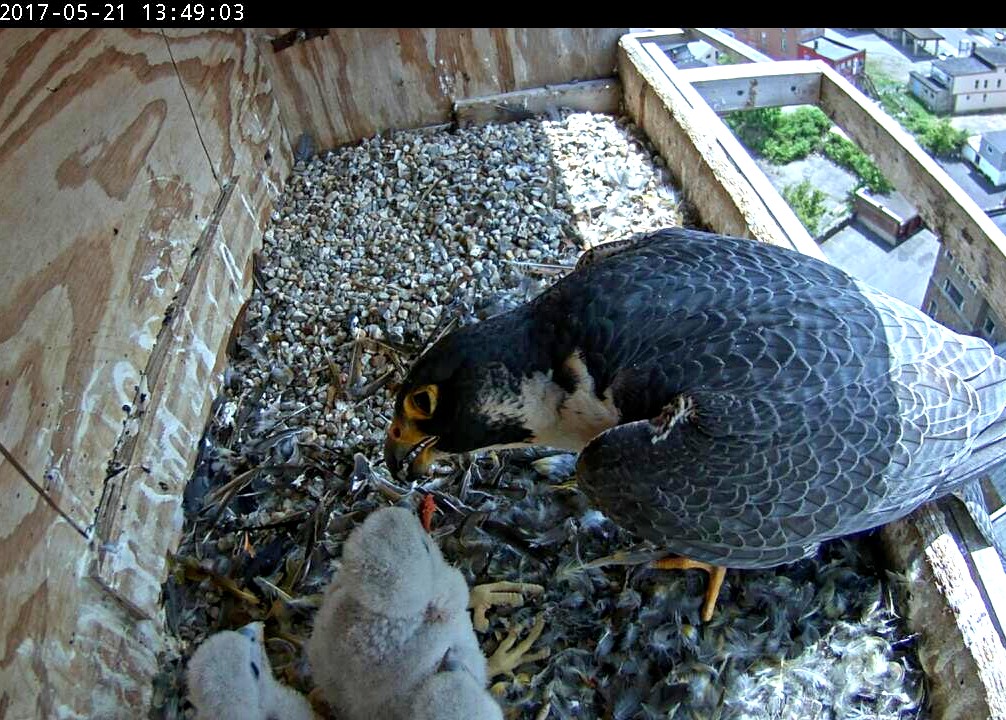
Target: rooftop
x: 1000, y: 221
x: 961, y: 66
x: 923, y: 33
x: 830, y: 49
x: 933, y: 82
x: 996, y: 139
x: 994, y: 56
x: 894, y: 202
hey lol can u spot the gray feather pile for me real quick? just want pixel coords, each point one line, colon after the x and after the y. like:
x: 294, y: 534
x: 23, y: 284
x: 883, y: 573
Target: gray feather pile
x: 816, y: 639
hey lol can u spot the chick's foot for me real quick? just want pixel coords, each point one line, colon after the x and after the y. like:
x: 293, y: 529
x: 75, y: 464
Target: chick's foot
x: 511, y: 654
x: 482, y: 597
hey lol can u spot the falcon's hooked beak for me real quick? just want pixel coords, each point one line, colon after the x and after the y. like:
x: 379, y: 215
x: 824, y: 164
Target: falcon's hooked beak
x: 407, y: 446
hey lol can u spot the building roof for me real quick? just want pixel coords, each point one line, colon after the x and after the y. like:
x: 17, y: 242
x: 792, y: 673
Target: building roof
x: 996, y: 139
x: 994, y: 56
x: 894, y: 203
x: 961, y: 66
x: 923, y: 33
x: 830, y: 49
x: 930, y: 81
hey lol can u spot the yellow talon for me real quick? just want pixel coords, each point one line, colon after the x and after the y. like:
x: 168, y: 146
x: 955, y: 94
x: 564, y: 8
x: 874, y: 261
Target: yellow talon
x: 510, y: 654
x: 716, y: 575
x: 482, y: 597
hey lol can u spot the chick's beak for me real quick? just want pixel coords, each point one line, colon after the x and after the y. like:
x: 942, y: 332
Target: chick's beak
x: 253, y: 631
x: 408, y: 448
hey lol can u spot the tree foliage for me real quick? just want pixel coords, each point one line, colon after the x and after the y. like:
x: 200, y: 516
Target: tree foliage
x: 936, y: 135
x: 844, y: 153
x: 807, y: 202
x: 797, y: 135
x: 784, y: 137
x: 754, y: 127
x: 941, y: 139
x: 777, y: 136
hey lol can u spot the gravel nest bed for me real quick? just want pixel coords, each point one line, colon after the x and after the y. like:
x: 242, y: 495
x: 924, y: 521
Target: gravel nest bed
x: 376, y: 250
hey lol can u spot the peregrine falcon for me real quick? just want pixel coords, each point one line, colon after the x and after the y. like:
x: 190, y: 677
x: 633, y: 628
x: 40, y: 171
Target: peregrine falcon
x: 734, y: 402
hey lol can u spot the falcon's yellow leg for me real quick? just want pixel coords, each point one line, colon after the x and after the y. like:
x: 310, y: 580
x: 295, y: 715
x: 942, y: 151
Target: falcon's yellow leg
x: 716, y: 575
x: 482, y: 597
x: 508, y: 657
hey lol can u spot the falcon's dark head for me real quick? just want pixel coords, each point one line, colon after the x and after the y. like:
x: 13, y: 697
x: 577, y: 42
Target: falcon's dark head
x: 469, y: 391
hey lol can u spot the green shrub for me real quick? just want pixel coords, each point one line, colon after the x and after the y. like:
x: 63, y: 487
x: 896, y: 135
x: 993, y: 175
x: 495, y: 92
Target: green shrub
x: 754, y: 127
x: 844, y: 153
x: 784, y: 137
x: 807, y: 202
x: 936, y: 135
x: 777, y: 136
x: 942, y: 139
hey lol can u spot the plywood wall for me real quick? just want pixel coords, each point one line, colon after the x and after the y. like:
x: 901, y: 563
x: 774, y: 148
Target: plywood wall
x: 121, y: 153
x: 353, y: 83
x: 138, y: 169
x: 225, y: 84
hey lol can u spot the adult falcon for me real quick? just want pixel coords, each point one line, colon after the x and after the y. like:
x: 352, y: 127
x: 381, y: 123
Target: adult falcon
x: 731, y: 401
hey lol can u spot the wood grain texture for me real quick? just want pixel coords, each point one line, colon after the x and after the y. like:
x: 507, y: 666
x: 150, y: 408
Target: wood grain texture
x: 142, y: 520
x: 225, y: 78
x: 959, y: 648
x: 597, y: 96
x: 123, y: 143
x: 67, y: 648
x: 354, y: 83
x: 141, y: 517
x: 97, y: 227
x: 97, y: 230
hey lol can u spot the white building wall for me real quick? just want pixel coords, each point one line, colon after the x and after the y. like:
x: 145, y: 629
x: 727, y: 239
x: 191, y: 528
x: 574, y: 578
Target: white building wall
x: 970, y: 149
x: 978, y: 100
x: 998, y: 177
x: 986, y: 82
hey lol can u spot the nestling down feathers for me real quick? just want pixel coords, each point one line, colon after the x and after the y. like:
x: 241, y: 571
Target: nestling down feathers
x: 229, y: 678
x: 394, y: 617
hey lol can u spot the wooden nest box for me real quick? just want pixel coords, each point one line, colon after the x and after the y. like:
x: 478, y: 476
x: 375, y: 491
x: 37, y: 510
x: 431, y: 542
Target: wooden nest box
x: 139, y: 171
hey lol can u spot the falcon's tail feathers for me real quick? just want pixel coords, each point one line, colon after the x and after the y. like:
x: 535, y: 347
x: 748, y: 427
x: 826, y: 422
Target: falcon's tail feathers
x: 972, y: 498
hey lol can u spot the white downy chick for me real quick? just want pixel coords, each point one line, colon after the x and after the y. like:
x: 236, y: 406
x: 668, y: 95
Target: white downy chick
x: 395, y: 614
x: 451, y: 696
x: 230, y: 678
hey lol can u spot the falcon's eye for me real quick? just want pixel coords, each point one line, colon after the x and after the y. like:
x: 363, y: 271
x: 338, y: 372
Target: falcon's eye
x: 422, y: 402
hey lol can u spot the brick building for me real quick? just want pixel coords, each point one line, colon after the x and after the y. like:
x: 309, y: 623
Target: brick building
x: 847, y: 60
x: 777, y: 43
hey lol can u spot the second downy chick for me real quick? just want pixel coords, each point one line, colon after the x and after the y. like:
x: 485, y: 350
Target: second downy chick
x: 230, y: 678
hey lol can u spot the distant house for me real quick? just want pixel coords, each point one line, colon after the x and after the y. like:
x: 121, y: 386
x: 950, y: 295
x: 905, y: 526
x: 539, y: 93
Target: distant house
x: 915, y: 38
x: 777, y: 43
x: 988, y: 153
x: 681, y: 55
x: 964, y: 84
x: 953, y: 298
x: 994, y: 35
x: 847, y: 60
x: 891, y: 216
